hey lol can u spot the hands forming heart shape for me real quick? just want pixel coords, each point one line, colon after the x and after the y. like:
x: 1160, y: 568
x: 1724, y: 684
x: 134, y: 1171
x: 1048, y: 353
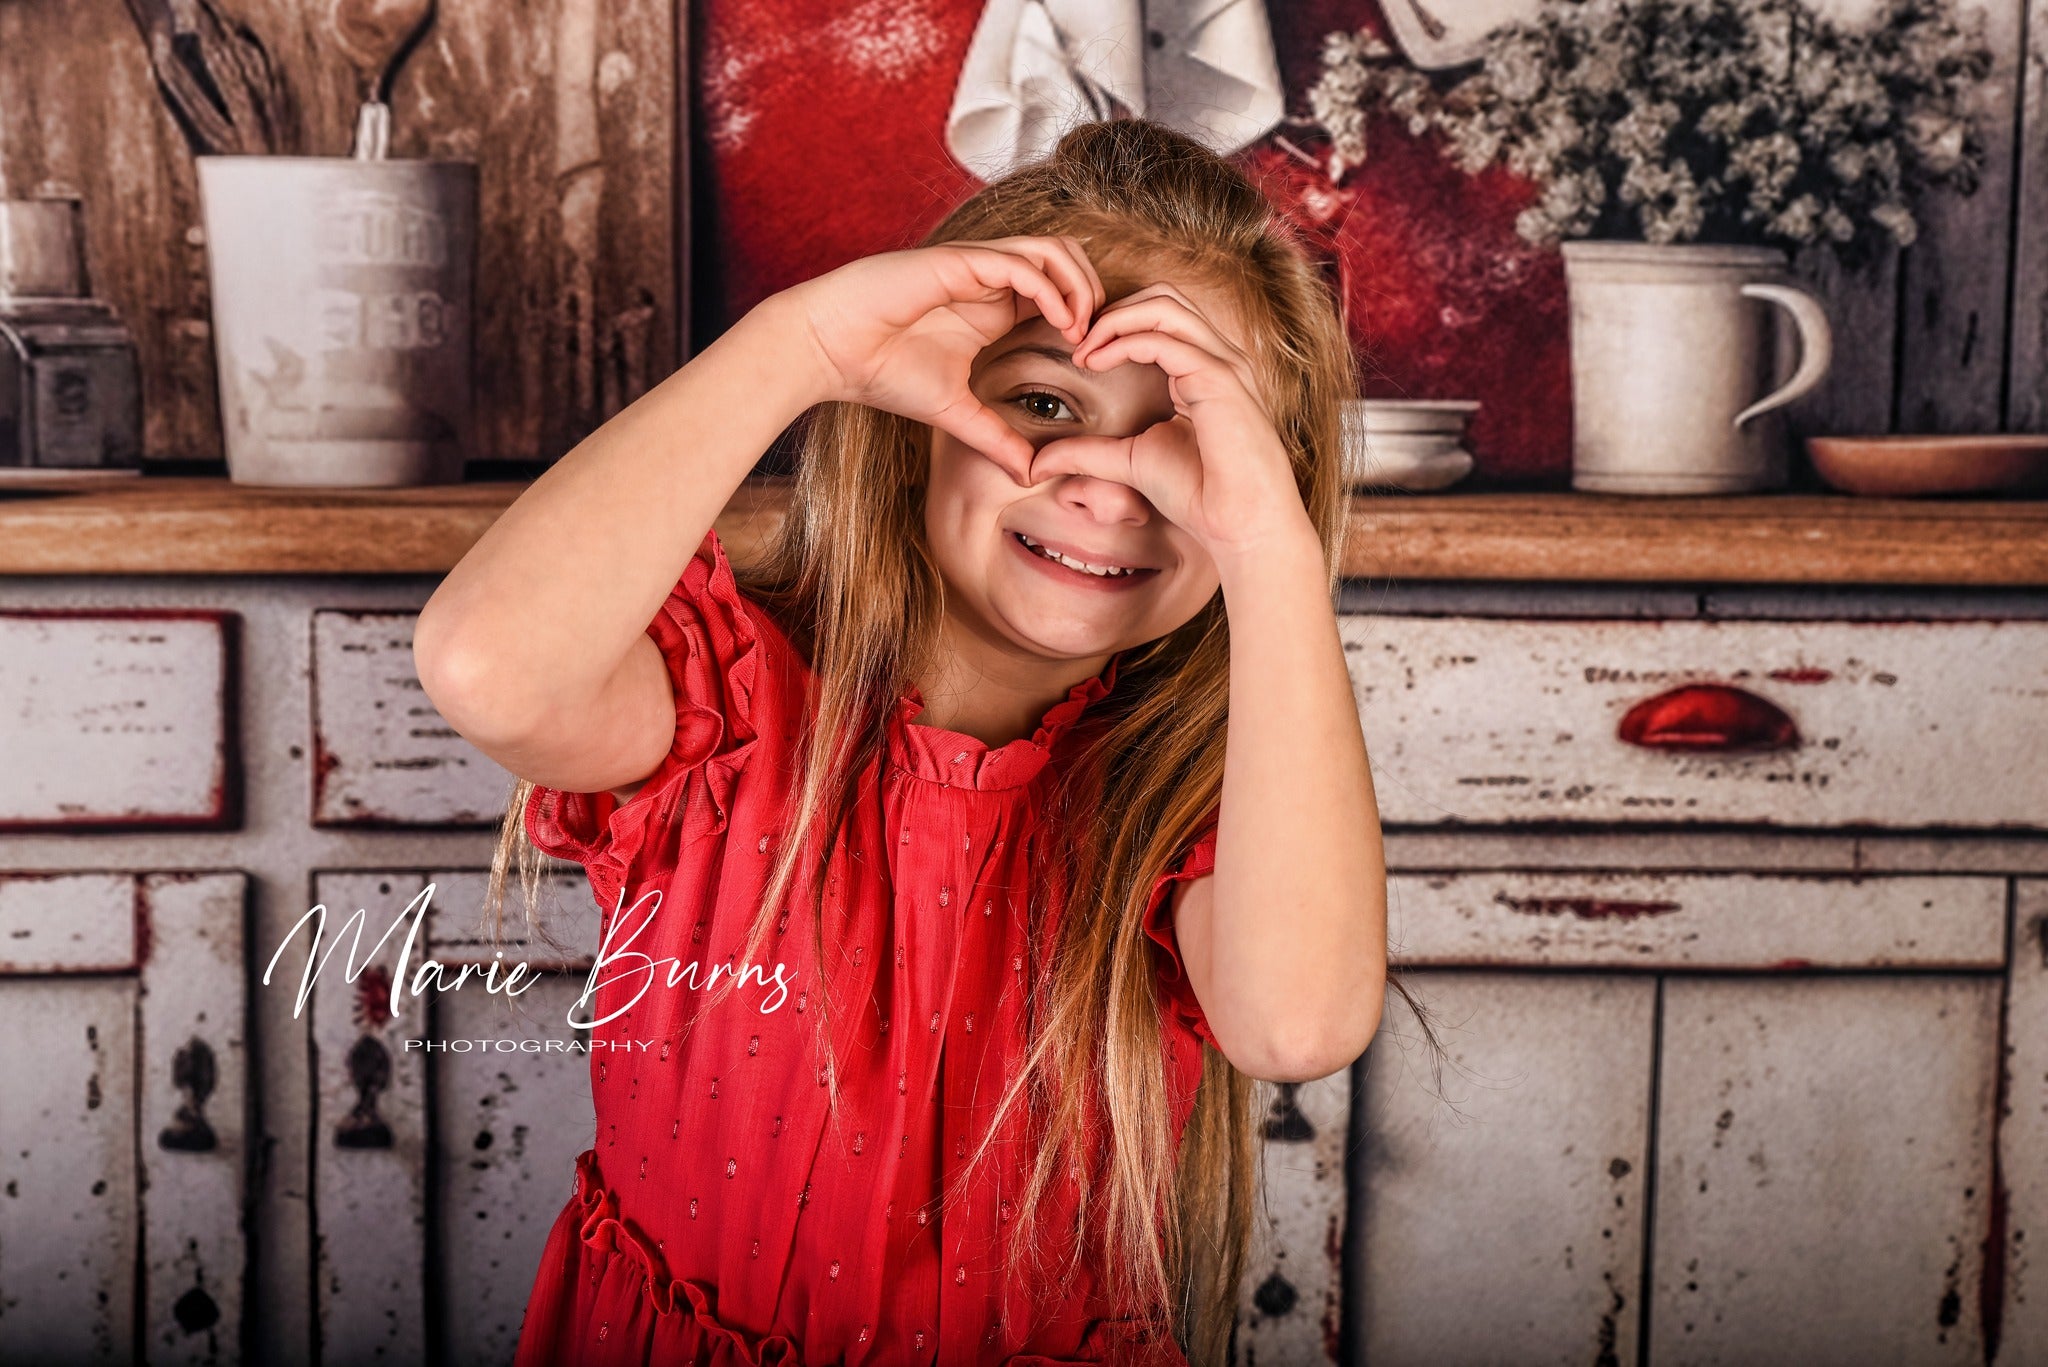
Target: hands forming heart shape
x: 901, y: 331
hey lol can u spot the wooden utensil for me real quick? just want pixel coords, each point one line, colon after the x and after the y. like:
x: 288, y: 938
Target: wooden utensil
x: 217, y: 78
x: 377, y: 36
x: 1905, y: 466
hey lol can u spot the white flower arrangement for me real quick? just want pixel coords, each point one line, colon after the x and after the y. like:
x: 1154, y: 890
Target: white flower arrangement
x: 1751, y: 121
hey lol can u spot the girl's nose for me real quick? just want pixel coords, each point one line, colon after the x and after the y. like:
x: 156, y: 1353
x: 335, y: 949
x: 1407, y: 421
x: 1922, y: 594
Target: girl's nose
x: 1103, y: 499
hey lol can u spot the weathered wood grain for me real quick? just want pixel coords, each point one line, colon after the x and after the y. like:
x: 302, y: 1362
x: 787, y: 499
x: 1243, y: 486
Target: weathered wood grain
x: 1956, y: 293
x: 143, y: 698
x: 572, y: 111
x: 570, y: 107
x: 80, y: 114
x: 1522, y: 1165
x: 2027, y: 364
x: 209, y: 526
x: 1863, y: 313
x: 1823, y: 1169
x: 1475, y: 720
x: 1654, y: 918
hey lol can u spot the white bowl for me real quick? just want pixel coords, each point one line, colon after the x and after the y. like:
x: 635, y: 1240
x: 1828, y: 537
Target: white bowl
x: 1406, y: 444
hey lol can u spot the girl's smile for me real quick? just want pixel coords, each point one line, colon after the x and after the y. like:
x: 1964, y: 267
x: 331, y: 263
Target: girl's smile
x: 1080, y: 569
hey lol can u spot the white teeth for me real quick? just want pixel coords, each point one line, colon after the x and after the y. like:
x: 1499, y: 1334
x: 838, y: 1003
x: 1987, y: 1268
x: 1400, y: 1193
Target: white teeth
x: 1102, y: 571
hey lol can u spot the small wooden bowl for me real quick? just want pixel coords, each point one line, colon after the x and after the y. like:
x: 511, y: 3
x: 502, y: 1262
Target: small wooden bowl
x: 1918, y: 466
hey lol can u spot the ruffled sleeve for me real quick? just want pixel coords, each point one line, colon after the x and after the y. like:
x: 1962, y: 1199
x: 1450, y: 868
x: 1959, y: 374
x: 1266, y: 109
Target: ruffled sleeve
x: 1174, y: 987
x: 714, y: 647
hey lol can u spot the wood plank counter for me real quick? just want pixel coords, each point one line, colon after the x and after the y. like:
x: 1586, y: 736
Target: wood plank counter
x: 208, y: 525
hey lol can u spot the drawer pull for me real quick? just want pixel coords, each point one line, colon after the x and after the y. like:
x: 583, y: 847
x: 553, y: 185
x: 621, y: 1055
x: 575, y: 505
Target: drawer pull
x: 1709, y: 717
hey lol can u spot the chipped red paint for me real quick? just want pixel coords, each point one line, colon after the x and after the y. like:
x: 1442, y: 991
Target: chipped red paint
x: 1708, y: 717
x: 1445, y: 299
x: 145, y: 932
x: 227, y: 784
x: 372, y: 1005
x: 1804, y: 674
x: 217, y: 820
x: 127, y: 614
x: 1991, y: 1287
x: 1792, y: 963
x: 325, y: 762
x: 1333, y: 1254
x: 1586, y: 908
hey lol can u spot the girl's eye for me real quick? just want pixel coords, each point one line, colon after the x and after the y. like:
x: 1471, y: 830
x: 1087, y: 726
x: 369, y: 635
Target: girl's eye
x: 1039, y: 395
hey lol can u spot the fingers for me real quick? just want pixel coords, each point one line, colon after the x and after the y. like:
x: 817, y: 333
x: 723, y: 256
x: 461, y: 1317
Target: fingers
x: 1163, y: 462
x: 1064, y: 260
x: 983, y: 430
x: 1168, y: 313
x: 999, y: 270
x: 1098, y: 457
x: 1165, y: 309
x: 1101, y: 295
x: 1198, y: 375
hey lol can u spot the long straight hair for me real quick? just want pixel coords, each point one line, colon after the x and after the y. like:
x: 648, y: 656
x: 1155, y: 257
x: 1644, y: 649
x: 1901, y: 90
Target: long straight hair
x: 850, y: 578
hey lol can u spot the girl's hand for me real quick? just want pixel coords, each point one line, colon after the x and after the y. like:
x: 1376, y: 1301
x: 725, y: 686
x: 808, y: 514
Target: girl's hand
x: 900, y: 331
x: 1217, y: 468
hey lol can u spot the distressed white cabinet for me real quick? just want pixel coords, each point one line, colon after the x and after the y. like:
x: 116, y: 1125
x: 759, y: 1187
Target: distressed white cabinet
x: 466, y: 1148
x: 1809, y: 1208
x: 1879, y: 724
x: 1502, y: 1206
x: 1789, y: 972
x: 145, y: 694
x: 1720, y: 1114
x: 123, y: 1117
x: 382, y: 756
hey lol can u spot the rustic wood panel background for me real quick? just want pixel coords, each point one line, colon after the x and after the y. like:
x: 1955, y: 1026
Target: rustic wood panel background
x: 570, y: 107
x: 1951, y: 333
x: 2027, y: 410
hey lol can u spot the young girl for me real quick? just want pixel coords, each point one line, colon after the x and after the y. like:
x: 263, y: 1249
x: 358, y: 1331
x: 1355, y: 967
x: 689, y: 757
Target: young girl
x: 1033, y: 725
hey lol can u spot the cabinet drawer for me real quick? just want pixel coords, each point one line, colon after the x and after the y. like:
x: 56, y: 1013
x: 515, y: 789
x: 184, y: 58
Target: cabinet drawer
x: 1660, y: 919
x: 1809, y: 724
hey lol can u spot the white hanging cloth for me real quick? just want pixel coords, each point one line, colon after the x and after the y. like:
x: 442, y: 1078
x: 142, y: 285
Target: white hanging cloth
x: 1035, y: 68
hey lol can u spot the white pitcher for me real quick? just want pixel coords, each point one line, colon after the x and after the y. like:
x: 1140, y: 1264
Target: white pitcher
x: 1674, y: 355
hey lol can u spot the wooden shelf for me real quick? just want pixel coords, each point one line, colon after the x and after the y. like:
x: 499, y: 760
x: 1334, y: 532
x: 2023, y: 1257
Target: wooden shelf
x: 197, y: 525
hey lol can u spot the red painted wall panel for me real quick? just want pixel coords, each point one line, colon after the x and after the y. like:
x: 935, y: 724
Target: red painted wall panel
x: 818, y: 136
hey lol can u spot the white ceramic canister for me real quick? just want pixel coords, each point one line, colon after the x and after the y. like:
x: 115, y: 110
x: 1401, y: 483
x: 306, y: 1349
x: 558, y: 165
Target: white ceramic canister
x: 342, y: 305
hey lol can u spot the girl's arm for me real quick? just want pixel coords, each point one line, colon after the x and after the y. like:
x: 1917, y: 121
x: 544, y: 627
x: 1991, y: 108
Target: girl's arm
x: 1285, y: 941
x: 535, y: 646
x: 1285, y: 944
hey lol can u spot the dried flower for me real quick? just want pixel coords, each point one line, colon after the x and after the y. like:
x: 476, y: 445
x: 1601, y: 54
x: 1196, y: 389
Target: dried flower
x: 1688, y: 120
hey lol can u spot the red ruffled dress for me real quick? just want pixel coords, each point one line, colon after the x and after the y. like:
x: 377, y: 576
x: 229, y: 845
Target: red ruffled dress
x: 722, y: 1215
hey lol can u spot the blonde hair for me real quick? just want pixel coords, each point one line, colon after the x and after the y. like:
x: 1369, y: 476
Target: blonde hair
x: 851, y: 578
